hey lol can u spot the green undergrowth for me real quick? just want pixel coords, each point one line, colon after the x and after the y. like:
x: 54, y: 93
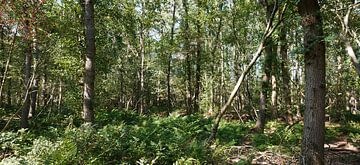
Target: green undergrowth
x: 117, y: 138
x: 129, y: 138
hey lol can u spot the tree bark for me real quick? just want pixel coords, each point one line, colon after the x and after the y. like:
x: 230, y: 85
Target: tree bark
x: 2, y: 55
x: 267, y: 68
x: 35, y: 83
x: 187, y: 58
x: 198, y: 65
x: 274, y: 77
x: 285, y: 74
x: 168, y: 76
x: 33, y: 100
x: 60, y: 95
x: 8, y: 92
x: 142, y: 69
x: 89, y: 77
x: 28, y: 60
x: 44, y: 95
x: 312, y: 149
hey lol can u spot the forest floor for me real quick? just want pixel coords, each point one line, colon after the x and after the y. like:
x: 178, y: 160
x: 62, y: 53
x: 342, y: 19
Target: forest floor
x: 340, y: 155
x: 338, y: 151
x: 125, y: 137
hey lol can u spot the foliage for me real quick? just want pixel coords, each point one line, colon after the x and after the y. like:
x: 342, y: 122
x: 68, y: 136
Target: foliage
x: 153, y: 139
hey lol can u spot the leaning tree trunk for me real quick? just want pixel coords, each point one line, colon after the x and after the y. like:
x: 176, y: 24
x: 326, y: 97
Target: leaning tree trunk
x: 89, y: 77
x: 268, y: 32
x: 312, y: 149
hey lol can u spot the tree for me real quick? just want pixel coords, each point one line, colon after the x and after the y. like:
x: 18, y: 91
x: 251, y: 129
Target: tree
x: 188, y: 57
x: 198, y: 61
x: 168, y: 76
x: 27, y: 71
x: 285, y: 73
x: 312, y: 149
x: 265, y: 83
x: 89, y: 76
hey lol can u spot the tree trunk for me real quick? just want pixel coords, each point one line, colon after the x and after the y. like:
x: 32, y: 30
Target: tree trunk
x: 274, y: 74
x: 35, y: 83
x: 44, y: 95
x: 285, y: 74
x: 33, y: 100
x: 198, y: 66
x: 168, y: 76
x: 8, y: 92
x: 60, y: 97
x: 267, y: 68
x: 28, y: 60
x: 2, y: 55
x: 187, y: 58
x: 312, y: 149
x: 142, y: 70
x: 89, y: 77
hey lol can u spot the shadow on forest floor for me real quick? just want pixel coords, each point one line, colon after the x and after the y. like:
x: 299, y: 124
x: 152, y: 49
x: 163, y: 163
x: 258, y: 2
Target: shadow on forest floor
x: 281, y: 145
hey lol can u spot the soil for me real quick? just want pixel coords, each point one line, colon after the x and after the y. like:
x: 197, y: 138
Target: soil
x: 336, y: 153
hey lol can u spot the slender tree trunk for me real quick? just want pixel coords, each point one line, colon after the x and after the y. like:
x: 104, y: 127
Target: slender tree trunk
x: 121, y: 92
x: 60, y: 97
x: 89, y: 77
x: 312, y: 149
x: 265, y: 84
x: 187, y: 58
x: 35, y: 83
x: 285, y: 74
x: 297, y: 84
x: 222, y: 78
x: 33, y: 100
x: 339, y: 101
x: 2, y: 55
x: 274, y: 94
x: 28, y: 60
x: 198, y: 66
x: 44, y: 95
x: 142, y: 70
x: 168, y: 76
x: 121, y: 88
x: 8, y: 93
x: 4, y: 75
x: 7, y: 64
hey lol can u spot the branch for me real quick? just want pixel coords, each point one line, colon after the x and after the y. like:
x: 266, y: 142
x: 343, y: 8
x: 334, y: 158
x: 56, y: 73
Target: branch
x: 345, y: 33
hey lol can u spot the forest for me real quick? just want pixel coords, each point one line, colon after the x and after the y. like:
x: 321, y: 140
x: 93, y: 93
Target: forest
x: 180, y: 82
